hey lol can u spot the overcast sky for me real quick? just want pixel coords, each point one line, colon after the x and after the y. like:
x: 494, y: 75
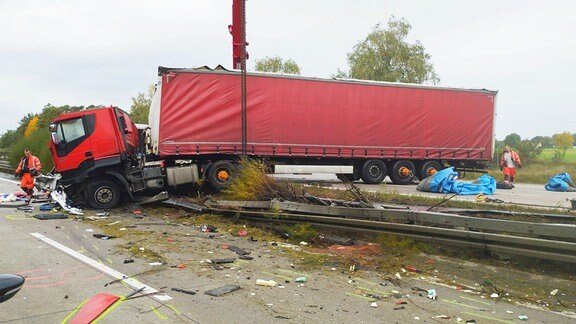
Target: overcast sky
x: 105, y: 52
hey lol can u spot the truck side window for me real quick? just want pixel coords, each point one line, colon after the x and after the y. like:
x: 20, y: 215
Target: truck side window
x: 72, y: 132
x: 122, y: 123
x: 71, y: 129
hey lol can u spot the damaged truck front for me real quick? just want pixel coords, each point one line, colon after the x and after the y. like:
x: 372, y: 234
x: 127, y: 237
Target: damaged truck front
x: 99, y: 156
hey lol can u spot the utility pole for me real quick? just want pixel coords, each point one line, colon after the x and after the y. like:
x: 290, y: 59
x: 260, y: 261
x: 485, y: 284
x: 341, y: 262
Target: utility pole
x: 239, y: 57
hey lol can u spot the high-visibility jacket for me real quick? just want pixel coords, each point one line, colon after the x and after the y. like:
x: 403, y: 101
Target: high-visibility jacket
x: 515, y: 158
x: 33, y: 163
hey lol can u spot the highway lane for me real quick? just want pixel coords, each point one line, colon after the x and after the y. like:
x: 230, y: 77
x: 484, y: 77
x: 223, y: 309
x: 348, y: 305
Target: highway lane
x: 56, y: 281
x: 530, y: 194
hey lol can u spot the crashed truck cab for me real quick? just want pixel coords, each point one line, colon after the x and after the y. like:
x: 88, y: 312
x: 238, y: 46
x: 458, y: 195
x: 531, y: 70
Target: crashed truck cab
x: 98, y: 154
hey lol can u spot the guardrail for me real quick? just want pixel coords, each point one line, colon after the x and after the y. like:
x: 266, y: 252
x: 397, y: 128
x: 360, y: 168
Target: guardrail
x: 5, y: 167
x: 549, y: 241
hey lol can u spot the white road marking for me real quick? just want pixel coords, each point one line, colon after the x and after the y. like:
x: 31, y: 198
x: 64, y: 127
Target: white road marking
x: 8, y: 180
x: 136, y: 285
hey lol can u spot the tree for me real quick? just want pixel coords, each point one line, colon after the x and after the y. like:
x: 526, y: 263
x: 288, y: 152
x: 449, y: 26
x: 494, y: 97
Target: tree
x: 528, y: 150
x: 49, y: 112
x: 278, y: 65
x: 543, y: 141
x: 33, y: 134
x: 141, y: 106
x: 512, y: 140
x: 32, y: 126
x: 386, y: 55
x: 8, y: 138
x: 563, y: 142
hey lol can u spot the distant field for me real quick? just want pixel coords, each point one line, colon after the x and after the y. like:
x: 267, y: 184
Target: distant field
x: 548, y: 154
x: 539, y: 171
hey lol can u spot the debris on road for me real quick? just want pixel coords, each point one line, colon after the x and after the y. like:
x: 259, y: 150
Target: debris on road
x: 432, y: 294
x: 50, y: 216
x: 267, y: 283
x: 238, y: 250
x: 103, y: 236
x: 184, y: 291
x: 219, y: 261
x: 217, y: 292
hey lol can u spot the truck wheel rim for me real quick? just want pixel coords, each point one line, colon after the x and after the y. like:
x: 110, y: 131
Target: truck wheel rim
x: 374, y: 171
x: 404, y: 172
x: 223, y: 175
x: 431, y: 171
x: 104, y: 195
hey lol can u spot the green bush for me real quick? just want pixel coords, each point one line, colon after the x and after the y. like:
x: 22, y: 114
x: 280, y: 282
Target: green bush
x: 37, y: 143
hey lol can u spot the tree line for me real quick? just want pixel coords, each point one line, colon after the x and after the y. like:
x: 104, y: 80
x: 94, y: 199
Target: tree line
x: 530, y: 149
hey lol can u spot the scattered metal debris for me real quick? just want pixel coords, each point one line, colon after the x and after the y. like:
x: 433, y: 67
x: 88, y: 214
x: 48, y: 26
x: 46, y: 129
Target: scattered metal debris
x: 184, y: 291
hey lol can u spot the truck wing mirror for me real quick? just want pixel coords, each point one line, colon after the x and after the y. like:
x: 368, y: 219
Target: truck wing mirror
x: 54, y: 137
x: 53, y: 127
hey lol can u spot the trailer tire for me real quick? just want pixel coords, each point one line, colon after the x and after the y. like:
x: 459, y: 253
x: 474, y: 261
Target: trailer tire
x: 429, y: 168
x: 403, y: 172
x: 220, y: 174
x: 102, y: 194
x: 374, y: 171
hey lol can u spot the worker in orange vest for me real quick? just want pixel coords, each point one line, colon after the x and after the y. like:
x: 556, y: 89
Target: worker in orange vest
x: 28, y: 168
x: 509, y: 161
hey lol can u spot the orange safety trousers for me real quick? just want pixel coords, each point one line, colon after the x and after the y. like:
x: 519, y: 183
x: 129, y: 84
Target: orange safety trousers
x: 509, y: 172
x: 27, y: 182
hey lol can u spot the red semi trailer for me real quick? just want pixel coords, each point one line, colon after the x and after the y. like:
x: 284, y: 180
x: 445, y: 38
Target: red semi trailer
x: 358, y: 129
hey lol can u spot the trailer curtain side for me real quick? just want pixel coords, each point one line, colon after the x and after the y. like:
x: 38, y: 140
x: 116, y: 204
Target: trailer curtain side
x: 292, y: 116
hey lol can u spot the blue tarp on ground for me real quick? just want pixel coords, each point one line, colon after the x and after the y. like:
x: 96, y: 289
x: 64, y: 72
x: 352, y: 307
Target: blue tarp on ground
x: 560, y: 182
x: 445, y: 181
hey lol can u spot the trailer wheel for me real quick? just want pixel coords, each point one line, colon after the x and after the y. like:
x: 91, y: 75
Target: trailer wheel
x: 102, y: 194
x: 403, y: 172
x: 374, y: 171
x: 429, y: 168
x: 220, y: 174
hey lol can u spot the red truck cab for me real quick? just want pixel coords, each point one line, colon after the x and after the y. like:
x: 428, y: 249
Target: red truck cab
x: 92, y: 144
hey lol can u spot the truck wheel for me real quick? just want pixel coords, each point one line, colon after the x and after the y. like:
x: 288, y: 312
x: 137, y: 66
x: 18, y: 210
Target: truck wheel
x: 403, y: 172
x: 102, y: 194
x: 374, y: 171
x: 429, y: 168
x: 220, y: 174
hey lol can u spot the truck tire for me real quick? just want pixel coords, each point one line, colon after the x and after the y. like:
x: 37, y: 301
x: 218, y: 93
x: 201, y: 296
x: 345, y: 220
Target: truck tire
x: 429, y: 168
x: 403, y: 172
x: 102, y: 194
x: 220, y: 174
x: 374, y: 171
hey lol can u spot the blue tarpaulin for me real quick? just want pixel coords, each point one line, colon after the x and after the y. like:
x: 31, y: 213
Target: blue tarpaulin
x: 445, y: 181
x: 560, y: 182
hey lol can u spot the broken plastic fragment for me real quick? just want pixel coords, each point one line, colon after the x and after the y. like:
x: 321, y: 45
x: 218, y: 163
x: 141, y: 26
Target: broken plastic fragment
x: 268, y: 283
x: 432, y: 294
x: 554, y: 292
